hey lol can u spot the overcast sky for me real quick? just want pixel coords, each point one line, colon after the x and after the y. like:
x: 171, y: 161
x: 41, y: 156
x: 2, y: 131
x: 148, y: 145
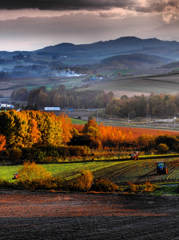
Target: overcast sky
x: 33, y: 24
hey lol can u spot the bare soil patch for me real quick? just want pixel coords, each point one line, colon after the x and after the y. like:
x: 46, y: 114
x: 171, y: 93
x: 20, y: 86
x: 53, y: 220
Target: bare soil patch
x: 139, y: 131
x: 38, y: 215
x: 154, y: 132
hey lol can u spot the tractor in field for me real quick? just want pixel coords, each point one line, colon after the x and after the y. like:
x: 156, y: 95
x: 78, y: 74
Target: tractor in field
x: 161, y: 168
x: 135, y: 155
x: 16, y: 176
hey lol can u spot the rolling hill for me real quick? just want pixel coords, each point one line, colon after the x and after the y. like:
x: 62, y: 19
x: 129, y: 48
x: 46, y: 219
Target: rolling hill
x: 123, y: 45
x: 135, y: 61
x: 71, y: 54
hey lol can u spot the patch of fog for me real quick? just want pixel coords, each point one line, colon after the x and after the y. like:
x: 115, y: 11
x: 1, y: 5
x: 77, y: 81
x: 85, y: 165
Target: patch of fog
x: 37, y: 70
x: 6, y: 69
x: 65, y: 73
x: 10, y: 67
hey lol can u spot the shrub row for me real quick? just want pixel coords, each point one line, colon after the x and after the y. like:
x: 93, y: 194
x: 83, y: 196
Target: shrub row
x: 147, y: 187
x: 160, y: 144
x: 55, y: 183
x: 44, y: 153
x: 34, y: 177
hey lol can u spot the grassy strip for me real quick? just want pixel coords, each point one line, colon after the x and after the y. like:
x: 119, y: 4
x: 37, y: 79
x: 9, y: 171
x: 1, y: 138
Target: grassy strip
x: 118, y: 172
x: 92, y: 176
x: 66, y: 171
x: 78, y: 121
x: 173, y: 190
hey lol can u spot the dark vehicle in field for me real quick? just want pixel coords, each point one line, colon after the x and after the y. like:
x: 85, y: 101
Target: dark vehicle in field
x: 161, y: 168
x: 135, y: 155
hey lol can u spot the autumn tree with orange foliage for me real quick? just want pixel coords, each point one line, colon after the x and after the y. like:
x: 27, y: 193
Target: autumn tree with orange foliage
x: 23, y: 129
x: 114, y: 137
x: 78, y: 127
x: 34, y: 133
x: 146, y: 141
x: 103, y: 136
x: 89, y: 125
x: 2, y: 142
x: 91, y: 131
x: 48, y: 126
x: 66, y: 128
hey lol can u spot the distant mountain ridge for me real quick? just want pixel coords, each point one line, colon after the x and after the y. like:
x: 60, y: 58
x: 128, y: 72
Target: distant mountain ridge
x: 71, y: 54
x: 123, y: 45
x: 120, y: 43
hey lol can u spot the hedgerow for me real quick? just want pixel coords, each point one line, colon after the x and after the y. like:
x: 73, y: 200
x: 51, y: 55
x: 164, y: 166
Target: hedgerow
x: 104, y: 185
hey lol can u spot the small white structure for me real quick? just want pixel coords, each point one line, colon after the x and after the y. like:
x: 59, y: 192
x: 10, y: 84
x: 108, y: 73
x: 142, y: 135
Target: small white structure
x: 52, y: 108
x: 169, y: 120
x: 6, y: 106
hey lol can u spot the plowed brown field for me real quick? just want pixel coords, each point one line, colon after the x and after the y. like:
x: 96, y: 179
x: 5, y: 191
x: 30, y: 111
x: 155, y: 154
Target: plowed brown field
x: 71, y: 216
x: 139, y: 131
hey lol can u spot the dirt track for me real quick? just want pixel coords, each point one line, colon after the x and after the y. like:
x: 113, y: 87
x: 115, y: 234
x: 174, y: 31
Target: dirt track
x: 74, y: 216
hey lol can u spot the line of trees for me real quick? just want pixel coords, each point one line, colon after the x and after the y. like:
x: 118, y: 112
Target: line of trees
x: 23, y: 129
x: 29, y: 128
x: 59, y: 96
x: 163, y: 105
x: 158, y: 105
x: 45, y: 137
x: 108, y: 137
x: 102, y: 136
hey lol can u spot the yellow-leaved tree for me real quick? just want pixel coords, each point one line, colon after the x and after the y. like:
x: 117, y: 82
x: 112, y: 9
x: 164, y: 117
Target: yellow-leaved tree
x: 33, y: 176
x: 84, y: 181
x: 32, y: 171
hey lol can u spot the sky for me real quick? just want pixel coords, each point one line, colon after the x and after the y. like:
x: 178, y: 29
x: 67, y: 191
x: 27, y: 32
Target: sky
x: 34, y: 24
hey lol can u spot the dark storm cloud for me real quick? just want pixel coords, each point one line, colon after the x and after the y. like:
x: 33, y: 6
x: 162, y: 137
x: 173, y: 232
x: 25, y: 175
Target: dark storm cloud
x: 65, y: 4
x: 135, y: 5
